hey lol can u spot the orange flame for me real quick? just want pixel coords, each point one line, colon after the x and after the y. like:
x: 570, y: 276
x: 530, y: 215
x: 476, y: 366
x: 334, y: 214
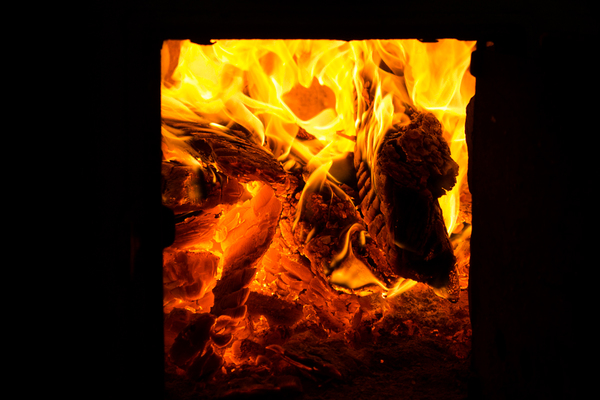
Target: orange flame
x: 330, y: 90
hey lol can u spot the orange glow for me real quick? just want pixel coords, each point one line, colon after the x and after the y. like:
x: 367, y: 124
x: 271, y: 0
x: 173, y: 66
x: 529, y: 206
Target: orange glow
x: 306, y: 102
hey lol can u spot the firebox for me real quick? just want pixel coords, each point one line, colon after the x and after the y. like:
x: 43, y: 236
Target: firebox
x: 525, y: 139
x: 313, y: 182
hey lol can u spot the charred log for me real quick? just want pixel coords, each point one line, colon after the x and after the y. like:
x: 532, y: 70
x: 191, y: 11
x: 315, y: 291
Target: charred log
x: 200, y: 195
x: 327, y: 219
x: 233, y: 152
x: 399, y: 201
x: 253, y: 242
x: 186, y: 189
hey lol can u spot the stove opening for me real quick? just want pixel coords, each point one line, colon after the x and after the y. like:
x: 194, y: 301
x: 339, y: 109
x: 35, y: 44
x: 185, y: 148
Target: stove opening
x: 323, y: 216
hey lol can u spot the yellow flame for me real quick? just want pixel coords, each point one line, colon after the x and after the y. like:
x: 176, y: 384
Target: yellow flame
x: 440, y: 82
x: 313, y: 184
x: 349, y: 272
x: 427, y: 76
x: 401, y: 286
x: 306, y: 100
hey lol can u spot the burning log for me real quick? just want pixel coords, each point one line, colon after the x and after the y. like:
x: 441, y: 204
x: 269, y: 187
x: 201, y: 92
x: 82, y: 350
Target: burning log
x: 233, y: 152
x: 325, y: 255
x: 251, y: 239
x: 195, y: 227
x: 197, y: 196
x: 243, y: 235
x: 412, y: 169
x: 186, y: 189
x: 329, y: 233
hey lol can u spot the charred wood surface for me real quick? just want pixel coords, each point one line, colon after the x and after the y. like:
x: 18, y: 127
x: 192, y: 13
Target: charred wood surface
x: 399, y: 201
x: 329, y: 214
x: 233, y: 152
x: 186, y: 189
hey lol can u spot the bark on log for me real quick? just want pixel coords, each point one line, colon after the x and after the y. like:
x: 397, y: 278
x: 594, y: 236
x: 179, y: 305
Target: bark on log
x: 399, y: 193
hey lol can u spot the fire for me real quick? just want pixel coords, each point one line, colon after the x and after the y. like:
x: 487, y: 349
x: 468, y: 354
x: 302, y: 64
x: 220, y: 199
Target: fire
x: 305, y: 106
x: 277, y: 88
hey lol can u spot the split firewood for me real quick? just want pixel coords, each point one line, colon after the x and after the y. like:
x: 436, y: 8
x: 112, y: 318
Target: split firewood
x: 233, y: 152
x: 230, y: 157
x: 186, y: 189
x: 399, y: 201
x: 249, y: 242
x: 197, y: 196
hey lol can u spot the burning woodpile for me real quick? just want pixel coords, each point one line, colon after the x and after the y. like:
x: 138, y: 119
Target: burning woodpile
x: 304, y: 207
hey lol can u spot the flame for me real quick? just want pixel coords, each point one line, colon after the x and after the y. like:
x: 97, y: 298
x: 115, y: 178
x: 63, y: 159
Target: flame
x: 349, y: 272
x: 264, y: 86
x: 440, y: 82
x: 427, y: 76
x: 306, y: 100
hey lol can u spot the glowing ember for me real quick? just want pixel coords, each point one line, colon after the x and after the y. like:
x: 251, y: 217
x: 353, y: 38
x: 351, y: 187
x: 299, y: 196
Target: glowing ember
x: 264, y: 142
